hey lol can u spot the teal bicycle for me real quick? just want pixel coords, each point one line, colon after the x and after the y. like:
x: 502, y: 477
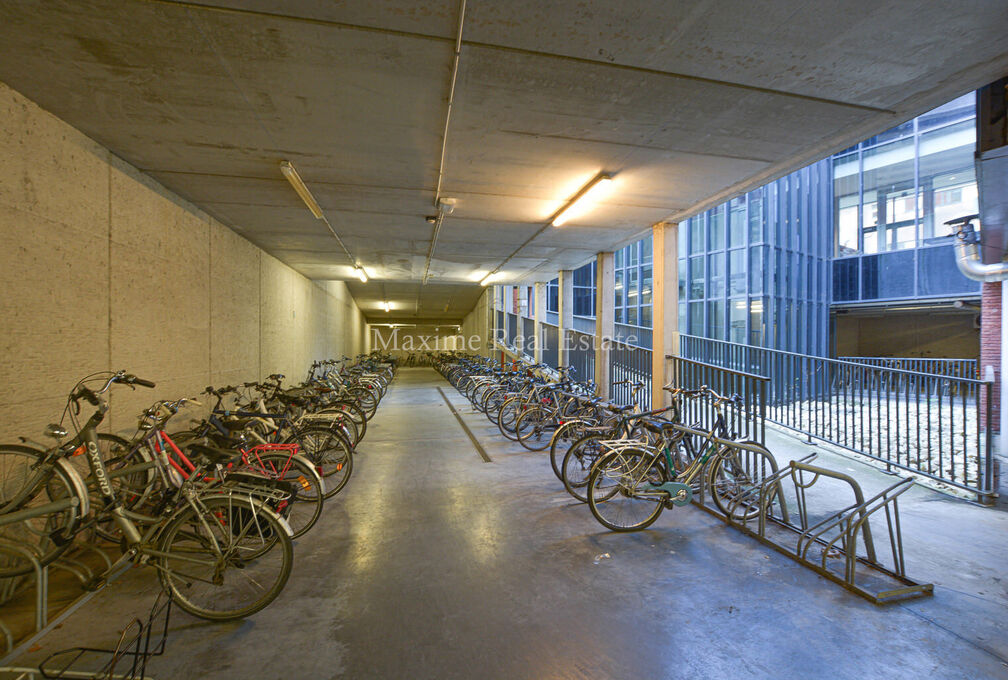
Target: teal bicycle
x: 634, y: 481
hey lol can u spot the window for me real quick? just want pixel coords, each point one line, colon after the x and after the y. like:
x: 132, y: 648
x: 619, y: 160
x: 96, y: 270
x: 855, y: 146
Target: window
x: 846, y: 192
x: 553, y: 296
x: 888, y: 213
x: 948, y: 186
x: 737, y: 222
x: 584, y: 290
x: 717, y: 228
x: 634, y: 280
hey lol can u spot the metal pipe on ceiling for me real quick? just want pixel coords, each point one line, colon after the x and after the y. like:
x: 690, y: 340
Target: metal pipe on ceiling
x: 444, y: 146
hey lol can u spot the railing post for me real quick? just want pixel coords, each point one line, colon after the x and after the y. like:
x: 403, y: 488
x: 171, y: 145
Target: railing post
x: 986, y: 494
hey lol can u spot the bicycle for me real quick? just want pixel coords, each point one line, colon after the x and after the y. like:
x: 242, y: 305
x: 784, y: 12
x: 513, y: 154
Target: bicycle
x: 632, y: 483
x: 220, y: 554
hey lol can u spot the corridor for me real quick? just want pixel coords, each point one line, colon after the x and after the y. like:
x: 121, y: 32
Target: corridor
x: 435, y: 564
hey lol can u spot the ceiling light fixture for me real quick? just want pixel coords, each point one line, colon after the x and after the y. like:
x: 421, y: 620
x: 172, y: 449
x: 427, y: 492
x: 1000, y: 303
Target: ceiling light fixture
x: 388, y: 306
x: 299, y: 186
x: 488, y: 278
x: 584, y: 199
x: 287, y: 168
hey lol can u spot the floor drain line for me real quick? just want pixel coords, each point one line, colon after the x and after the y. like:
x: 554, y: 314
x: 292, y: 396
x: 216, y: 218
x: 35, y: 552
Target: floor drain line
x: 476, y: 445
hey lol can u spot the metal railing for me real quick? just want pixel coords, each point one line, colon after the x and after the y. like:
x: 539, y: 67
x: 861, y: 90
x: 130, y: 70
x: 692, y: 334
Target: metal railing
x: 528, y: 336
x: 952, y: 368
x: 629, y: 363
x: 932, y: 425
x: 551, y: 345
x: 745, y: 419
x: 581, y: 355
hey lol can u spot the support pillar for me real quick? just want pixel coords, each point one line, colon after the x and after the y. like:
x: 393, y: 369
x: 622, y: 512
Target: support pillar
x: 605, y: 318
x: 566, y: 313
x: 665, y: 306
x: 539, y: 309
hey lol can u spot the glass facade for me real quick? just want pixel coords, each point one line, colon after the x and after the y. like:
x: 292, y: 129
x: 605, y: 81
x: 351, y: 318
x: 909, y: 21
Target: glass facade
x: 892, y: 195
x: 634, y: 276
x: 755, y: 270
x: 865, y: 226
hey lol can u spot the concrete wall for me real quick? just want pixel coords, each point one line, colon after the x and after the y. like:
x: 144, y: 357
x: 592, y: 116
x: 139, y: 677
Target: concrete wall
x: 908, y: 335
x: 402, y: 341
x: 475, y: 324
x: 102, y: 268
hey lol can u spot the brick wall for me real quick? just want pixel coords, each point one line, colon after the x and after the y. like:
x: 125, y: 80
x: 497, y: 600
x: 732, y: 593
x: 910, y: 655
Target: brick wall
x: 990, y: 347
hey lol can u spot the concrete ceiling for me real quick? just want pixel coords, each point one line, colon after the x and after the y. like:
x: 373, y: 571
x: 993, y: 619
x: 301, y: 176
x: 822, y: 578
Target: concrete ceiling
x: 686, y: 103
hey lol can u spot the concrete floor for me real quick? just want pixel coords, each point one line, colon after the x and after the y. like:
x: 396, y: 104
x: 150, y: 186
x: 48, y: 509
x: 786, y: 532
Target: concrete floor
x: 435, y: 564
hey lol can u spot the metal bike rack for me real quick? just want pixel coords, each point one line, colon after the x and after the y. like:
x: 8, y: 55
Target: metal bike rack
x: 43, y: 623
x: 838, y: 546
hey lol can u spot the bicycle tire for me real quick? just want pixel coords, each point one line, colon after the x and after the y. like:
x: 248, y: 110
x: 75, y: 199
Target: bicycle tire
x: 329, y: 451
x: 50, y: 534
x: 614, y: 485
x: 734, y: 480
x: 531, y: 427
x: 238, y: 525
x: 308, y: 485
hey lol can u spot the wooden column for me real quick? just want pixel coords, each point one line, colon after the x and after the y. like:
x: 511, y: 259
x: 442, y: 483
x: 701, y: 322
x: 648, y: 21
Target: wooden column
x: 605, y: 327
x: 539, y: 309
x: 665, y: 306
x: 566, y: 315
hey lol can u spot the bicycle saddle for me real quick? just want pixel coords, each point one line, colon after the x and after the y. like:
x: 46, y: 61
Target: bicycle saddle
x: 654, y: 425
x: 211, y: 453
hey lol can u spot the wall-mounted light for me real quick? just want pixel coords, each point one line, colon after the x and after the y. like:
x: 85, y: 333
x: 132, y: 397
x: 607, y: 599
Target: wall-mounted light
x: 287, y: 168
x: 584, y: 199
x: 387, y: 305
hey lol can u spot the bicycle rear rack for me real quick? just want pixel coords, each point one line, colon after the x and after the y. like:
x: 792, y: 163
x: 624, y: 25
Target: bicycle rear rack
x: 838, y: 545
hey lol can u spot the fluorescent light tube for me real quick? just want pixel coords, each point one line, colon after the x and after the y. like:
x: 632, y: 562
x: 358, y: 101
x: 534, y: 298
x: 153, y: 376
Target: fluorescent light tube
x: 584, y: 199
x: 299, y: 186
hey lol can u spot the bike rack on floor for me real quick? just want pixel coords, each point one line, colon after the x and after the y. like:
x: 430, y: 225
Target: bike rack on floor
x: 837, y: 545
x: 39, y: 576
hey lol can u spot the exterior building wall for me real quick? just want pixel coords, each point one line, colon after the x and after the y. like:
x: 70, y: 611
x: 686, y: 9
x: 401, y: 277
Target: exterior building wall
x: 908, y: 334
x: 755, y: 270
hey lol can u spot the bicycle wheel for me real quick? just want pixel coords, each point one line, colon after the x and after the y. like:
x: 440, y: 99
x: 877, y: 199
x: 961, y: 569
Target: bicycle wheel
x: 533, y: 430
x: 735, y: 478
x: 508, y: 415
x: 330, y: 453
x: 51, y: 532
x: 561, y: 441
x: 578, y: 463
x: 225, y: 558
x: 367, y: 401
x: 308, y: 486
x: 620, y: 494
x: 354, y: 413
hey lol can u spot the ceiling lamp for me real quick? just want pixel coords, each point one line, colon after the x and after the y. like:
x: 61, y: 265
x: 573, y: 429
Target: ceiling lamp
x: 584, y: 199
x: 488, y: 278
x: 387, y: 305
x: 299, y: 186
x: 361, y: 274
